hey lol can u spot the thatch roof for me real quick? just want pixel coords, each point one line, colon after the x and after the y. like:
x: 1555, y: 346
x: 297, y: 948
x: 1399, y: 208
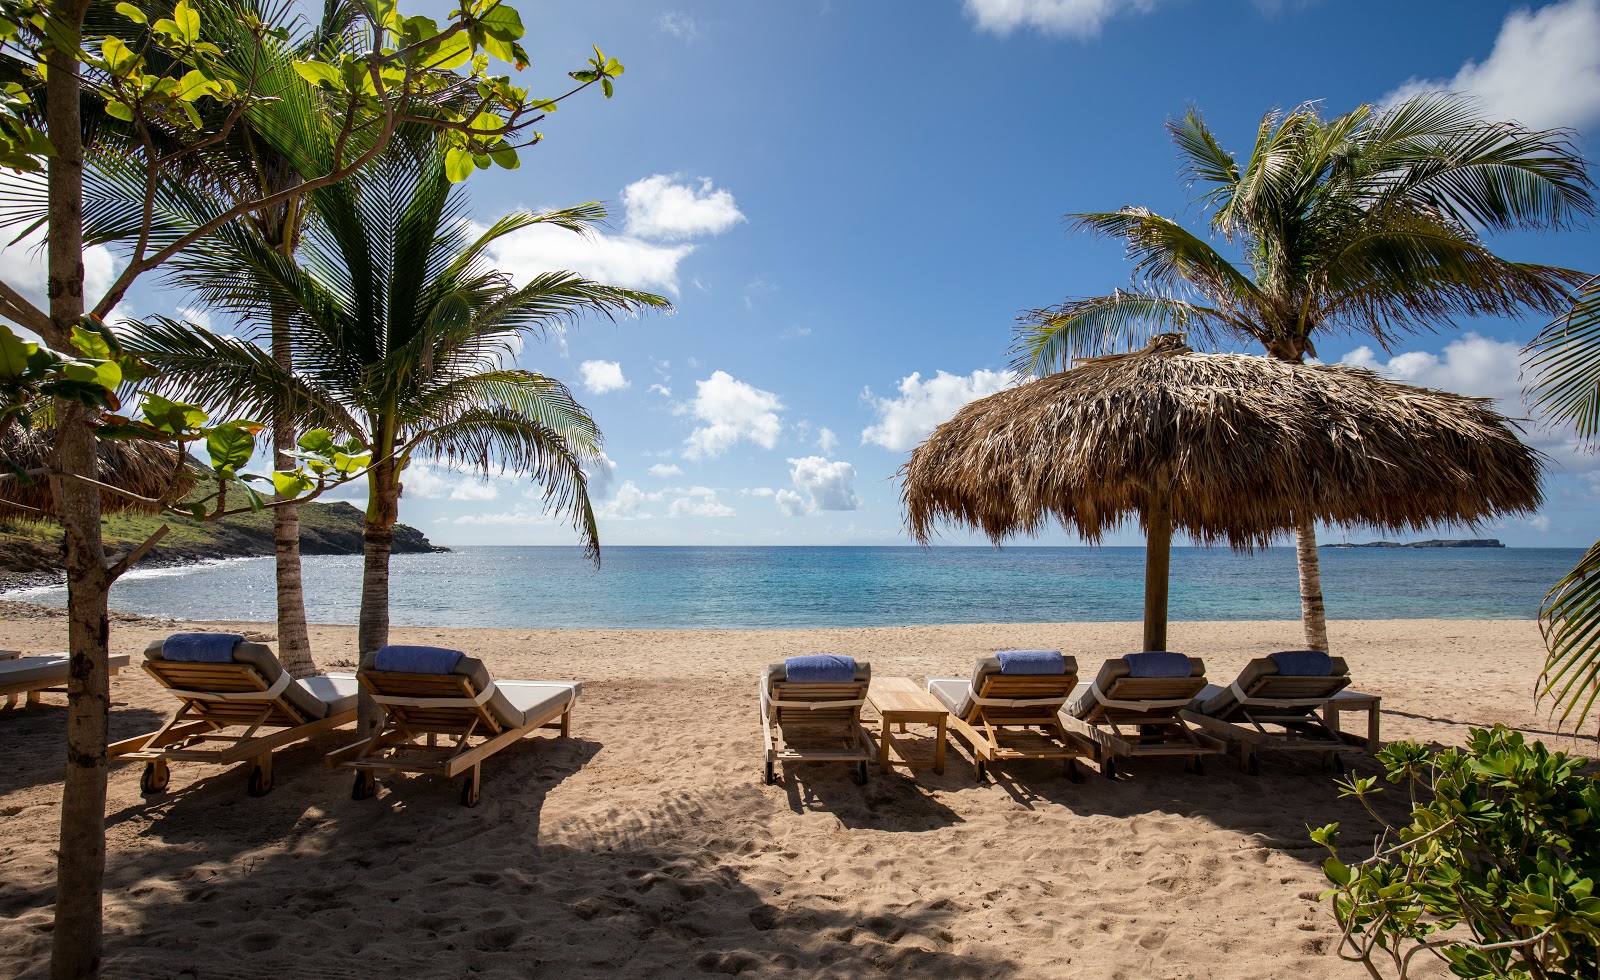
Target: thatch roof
x: 1243, y: 443
x: 148, y: 469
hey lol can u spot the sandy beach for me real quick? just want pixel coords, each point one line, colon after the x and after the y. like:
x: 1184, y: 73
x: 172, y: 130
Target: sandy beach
x: 647, y: 846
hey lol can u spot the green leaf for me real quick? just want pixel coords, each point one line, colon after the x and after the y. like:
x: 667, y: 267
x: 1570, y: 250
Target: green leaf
x: 458, y: 164
x: 133, y: 13
x: 230, y: 447
x: 1336, y: 871
x: 118, y: 58
x: 452, y: 52
x: 188, y: 21
x: 119, y: 111
x: 14, y: 353
x: 291, y: 483
x: 505, y: 156
x: 317, y: 441
x: 320, y: 74
x: 172, y: 418
x: 91, y: 344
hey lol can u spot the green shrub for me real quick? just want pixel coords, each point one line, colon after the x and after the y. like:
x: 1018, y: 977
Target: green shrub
x: 1495, y: 874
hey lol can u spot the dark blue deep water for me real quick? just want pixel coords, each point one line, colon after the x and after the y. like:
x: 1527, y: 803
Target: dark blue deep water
x: 764, y: 588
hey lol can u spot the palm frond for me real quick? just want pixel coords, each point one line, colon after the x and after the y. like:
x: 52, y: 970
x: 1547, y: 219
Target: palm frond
x: 1569, y: 618
x: 1564, y: 360
x: 1168, y: 257
x: 1049, y: 340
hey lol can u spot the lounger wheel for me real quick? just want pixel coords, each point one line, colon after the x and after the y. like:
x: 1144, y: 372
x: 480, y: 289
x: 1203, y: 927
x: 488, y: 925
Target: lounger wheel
x: 1073, y: 772
x: 260, y: 782
x: 858, y: 773
x: 1108, y: 768
x: 1253, y: 765
x: 771, y: 775
x: 365, y: 788
x: 1338, y: 763
x: 155, y: 778
x: 979, y: 770
x: 469, y: 793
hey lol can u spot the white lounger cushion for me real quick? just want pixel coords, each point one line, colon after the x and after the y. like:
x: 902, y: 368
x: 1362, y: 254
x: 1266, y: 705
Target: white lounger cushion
x: 338, y: 691
x: 532, y: 699
x: 51, y: 668
x: 954, y: 693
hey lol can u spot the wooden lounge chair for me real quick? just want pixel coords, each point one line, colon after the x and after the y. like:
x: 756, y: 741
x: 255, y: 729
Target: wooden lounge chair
x: 428, y: 692
x: 33, y: 676
x: 1001, y: 714
x: 1134, y: 708
x: 815, y: 721
x: 1274, y: 705
x: 248, y: 690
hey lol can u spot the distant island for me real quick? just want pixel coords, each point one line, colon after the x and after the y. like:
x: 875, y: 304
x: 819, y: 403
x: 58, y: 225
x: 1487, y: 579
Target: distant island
x: 1452, y: 543
x: 30, y: 554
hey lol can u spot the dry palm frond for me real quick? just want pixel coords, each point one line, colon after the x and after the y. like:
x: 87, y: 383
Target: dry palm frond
x: 1240, y: 444
x: 149, y: 469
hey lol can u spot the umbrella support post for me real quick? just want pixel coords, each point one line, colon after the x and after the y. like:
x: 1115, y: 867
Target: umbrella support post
x: 1157, y: 565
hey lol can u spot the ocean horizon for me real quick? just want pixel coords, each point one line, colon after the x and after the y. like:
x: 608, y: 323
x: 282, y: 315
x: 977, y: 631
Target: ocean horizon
x: 785, y: 587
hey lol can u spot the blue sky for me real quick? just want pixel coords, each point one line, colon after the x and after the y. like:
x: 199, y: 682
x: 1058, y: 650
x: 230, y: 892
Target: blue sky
x: 848, y: 202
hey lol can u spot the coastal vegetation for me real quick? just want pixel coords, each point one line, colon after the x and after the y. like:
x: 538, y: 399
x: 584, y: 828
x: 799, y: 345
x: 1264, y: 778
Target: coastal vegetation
x: 1365, y: 223
x: 164, y: 86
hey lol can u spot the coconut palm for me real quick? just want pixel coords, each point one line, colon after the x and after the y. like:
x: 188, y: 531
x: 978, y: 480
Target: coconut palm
x: 400, y: 332
x: 1367, y: 223
x: 1565, y: 360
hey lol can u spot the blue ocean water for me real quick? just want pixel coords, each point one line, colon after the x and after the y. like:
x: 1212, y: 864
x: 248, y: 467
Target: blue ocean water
x: 768, y: 588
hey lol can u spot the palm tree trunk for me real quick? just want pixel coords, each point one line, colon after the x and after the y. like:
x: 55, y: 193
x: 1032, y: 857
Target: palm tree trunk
x: 81, y: 856
x: 294, y: 641
x: 383, y: 510
x: 1312, y: 612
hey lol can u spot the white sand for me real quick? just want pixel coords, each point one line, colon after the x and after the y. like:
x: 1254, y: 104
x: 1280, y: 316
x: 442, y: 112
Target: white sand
x: 646, y: 845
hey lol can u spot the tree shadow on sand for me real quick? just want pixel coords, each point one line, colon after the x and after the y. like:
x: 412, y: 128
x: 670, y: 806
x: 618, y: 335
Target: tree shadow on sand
x: 412, y: 884
x: 36, y: 739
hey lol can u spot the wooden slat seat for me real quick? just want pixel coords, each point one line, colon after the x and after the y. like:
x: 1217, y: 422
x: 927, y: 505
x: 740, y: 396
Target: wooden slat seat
x: 1028, y: 729
x: 814, y: 721
x: 1126, y: 716
x: 1268, y: 709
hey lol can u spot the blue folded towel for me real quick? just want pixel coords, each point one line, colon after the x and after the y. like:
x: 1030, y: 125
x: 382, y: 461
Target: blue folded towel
x: 209, y: 648
x: 417, y: 660
x: 821, y: 668
x: 1032, y: 662
x: 1303, y: 663
x: 1158, y: 663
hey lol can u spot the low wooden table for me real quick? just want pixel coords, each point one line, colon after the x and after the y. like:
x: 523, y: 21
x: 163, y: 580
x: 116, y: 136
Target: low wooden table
x: 901, y: 701
x: 1355, y: 701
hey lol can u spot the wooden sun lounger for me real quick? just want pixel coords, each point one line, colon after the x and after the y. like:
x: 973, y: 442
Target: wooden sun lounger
x: 36, y: 675
x: 815, y: 722
x: 462, y: 707
x: 1264, y: 709
x: 1135, y: 717
x: 218, y: 699
x: 1012, y: 716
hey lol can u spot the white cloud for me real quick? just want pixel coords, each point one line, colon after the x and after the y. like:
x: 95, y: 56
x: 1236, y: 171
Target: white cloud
x: 24, y: 268
x: 616, y: 260
x: 731, y: 411
x: 826, y: 440
x: 822, y: 485
x: 673, y: 209
x: 905, y: 421
x: 474, y: 490
x: 199, y: 317
x: 1544, y: 69
x: 517, y: 515
x: 665, y: 470
x: 791, y: 503
x: 626, y: 505
x: 757, y: 492
x: 1054, y: 18
x: 698, y: 502
x: 661, y: 390
x: 679, y: 24
x: 600, y: 377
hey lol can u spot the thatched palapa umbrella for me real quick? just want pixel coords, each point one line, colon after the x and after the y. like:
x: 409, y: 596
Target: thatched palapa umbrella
x: 148, y: 469
x: 1227, y: 447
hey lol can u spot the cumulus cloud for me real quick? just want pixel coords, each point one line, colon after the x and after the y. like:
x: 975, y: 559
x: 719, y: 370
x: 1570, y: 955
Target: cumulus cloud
x: 600, y: 473
x: 819, y: 485
x: 519, y: 514
x: 661, y: 213
x: 665, y: 470
x: 600, y: 377
x: 731, y: 410
x: 630, y: 502
x: 430, y: 481
x: 1053, y: 18
x: 23, y: 267
x: 673, y: 208
x: 474, y: 490
x: 1544, y: 69
x: 906, y: 420
x: 826, y: 440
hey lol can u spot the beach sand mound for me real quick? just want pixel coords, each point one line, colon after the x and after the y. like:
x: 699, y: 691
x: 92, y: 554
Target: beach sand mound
x: 646, y: 845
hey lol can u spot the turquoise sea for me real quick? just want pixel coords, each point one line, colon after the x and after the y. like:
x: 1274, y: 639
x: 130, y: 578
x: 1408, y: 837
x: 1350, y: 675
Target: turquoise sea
x: 769, y: 588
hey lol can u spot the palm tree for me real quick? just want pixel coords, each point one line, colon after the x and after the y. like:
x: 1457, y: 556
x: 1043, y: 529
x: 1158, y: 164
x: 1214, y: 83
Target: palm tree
x: 1367, y: 223
x: 400, y: 331
x: 1565, y: 362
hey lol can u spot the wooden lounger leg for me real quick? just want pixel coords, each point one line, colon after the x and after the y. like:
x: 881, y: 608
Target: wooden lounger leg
x: 566, y: 722
x: 261, y: 775
x: 469, y: 790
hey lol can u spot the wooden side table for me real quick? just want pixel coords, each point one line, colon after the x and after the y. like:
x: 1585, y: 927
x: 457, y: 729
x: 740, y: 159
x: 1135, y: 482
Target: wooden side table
x: 1355, y: 701
x: 901, y: 701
